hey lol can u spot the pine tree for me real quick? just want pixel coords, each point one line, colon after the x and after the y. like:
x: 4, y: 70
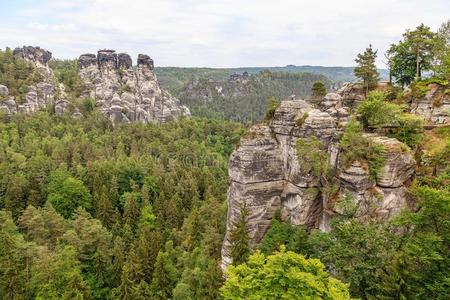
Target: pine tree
x: 105, y: 211
x: 12, y: 260
x: 165, y: 277
x: 318, y: 90
x: 421, y: 41
x: 366, y: 69
x: 239, y: 237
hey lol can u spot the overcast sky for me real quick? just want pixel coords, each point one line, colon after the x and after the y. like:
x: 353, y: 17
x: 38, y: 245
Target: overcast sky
x: 216, y: 33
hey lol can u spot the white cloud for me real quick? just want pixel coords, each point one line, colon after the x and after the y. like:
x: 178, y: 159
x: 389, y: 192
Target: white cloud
x: 221, y: 33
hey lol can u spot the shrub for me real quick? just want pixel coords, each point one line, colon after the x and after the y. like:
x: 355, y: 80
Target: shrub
x: 356, y: 147
x: 271, y: 108
x: 410, y: 129
x: 376, y: 111
x: 311, y: 155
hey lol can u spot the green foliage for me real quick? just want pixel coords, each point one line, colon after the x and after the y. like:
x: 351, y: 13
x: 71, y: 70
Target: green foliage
x: 356, y: 147
x: 239, y: 237
x: 420, y: 42
x: 143, y: 183
x: 410, y: 129
x: 66, y: 72
x: 245, y: 101
x: 358, y: 252
x: 366, y: 69
x: 441, y: 51
x: 376, y: 111
x: 318, y: 90
x: 272, y: 106
x: 283, y: 233
x: 17, y: 74
x: 282, y: 275
x: 312, y: 156
x: 67, y: 195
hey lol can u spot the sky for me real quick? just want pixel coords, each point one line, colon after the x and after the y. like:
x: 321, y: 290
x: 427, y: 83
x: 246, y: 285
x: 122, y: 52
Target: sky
x: 214, y: 33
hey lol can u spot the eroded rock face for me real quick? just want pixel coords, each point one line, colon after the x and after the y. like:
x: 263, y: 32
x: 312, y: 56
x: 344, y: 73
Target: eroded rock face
x: 127, y: 94
x: 434, y: 106
x: 265, y: 174
x: 34, y: 54
x: 44, y: 92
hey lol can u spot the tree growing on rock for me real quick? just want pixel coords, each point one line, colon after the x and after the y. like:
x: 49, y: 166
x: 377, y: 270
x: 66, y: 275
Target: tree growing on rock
x: 240, y: 250
x: 366, y: 69
x: 421, y: 42
x: 318, y: 90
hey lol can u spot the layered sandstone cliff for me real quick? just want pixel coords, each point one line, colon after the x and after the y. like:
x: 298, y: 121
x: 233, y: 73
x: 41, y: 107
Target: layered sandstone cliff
x: 39, y: 94
x: 125, y: 93
x: 266, y: 175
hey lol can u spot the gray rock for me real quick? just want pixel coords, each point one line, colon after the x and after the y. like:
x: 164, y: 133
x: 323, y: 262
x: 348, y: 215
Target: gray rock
x: 86, y: 60
x: 124, y: 61
x: 145, y: 60
x: 107, y: 59
x: 434, y: 106
x: 60, y: 106
x: 3, y: 91
x: 34, y: 54
x: 266, y: 175
x: 114, y: 84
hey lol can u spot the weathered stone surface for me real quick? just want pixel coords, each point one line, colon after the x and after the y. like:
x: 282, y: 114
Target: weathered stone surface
x: 434, y: 106
x: 60, y: 106
x: 266, y: 175
x: 352, y: 94
x: 107, y: 59
x: 3, y: 91
x: 145, y: 60
x: 124, y: 61
x: 34, y: 54
x: 125, y: 94
x: 86, y: 60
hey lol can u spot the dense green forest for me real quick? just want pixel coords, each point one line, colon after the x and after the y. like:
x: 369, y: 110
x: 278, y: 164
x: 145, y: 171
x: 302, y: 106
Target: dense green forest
x: 93, y: 212
x: 175, y: 78
x: 89, y: 210
x: 245, y: 100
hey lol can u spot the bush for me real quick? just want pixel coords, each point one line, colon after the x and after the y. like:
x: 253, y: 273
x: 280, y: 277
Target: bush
x: 356, y: 147
x: 271, y: 108
x: 410, y: 129
x: 283, y: 275
x: 311, y: 155
x: 376, y: 111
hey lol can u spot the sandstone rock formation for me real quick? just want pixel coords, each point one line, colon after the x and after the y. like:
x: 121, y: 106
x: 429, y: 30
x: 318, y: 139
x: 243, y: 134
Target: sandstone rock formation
x: 434, y: 106
x: 124, y: 93
x: 39, y: 94
x: 265, y: 173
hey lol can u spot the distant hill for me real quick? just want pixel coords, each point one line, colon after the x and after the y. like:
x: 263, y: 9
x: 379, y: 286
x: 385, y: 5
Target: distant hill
x: 243, y: 97
x: 174, y: 78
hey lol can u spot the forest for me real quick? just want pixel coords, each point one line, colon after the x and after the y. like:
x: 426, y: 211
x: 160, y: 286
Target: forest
x: 89, y: 210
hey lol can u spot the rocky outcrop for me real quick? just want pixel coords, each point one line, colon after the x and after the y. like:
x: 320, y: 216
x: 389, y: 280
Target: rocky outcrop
x: 41, y: 93
x: 124, y: 93
x: 266, y: 175
x: 434, y: 106
x: 34, y: 54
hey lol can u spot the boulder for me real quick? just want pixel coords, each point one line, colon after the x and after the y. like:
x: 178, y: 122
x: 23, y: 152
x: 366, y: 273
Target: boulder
x: 33, y: 54
x: 87, y: 60
x: 124, y: 61
x: 107, y: 59
x: 145, y: 60
x: 3, y: 91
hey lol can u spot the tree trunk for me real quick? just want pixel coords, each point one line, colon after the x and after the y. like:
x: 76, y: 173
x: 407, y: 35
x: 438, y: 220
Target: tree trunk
x: 417, y: 66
